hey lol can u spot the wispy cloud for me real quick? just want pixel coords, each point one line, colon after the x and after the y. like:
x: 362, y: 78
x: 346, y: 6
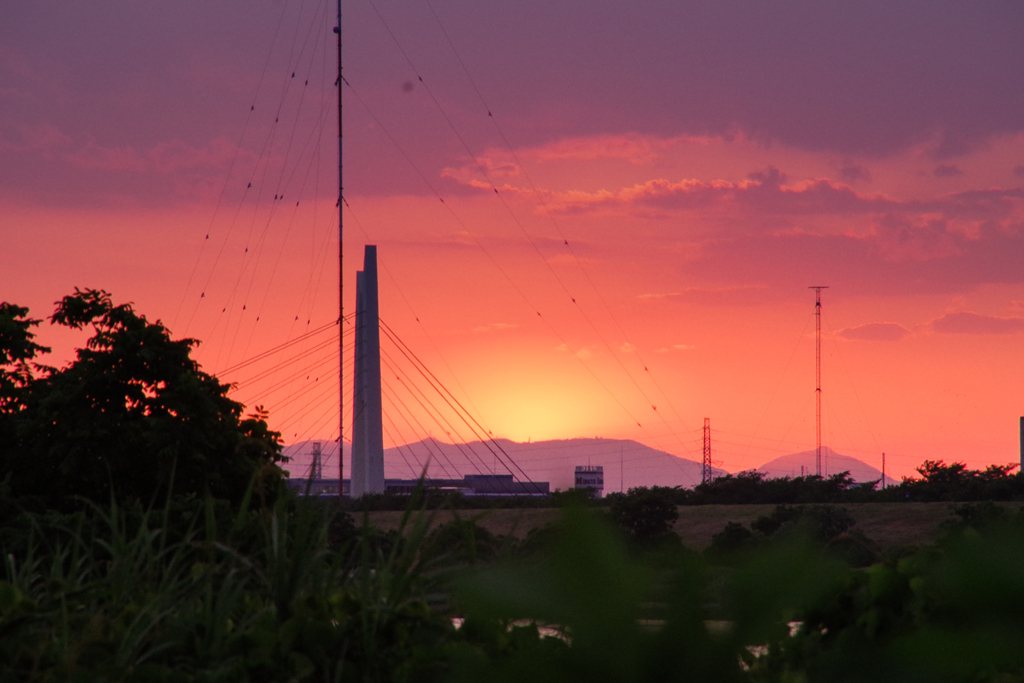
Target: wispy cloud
x: 967, y: 322
x: 740, y: 294
x: 163, y: 158
x: 675, y: 347
x: 494, y: 327
x: 947, y: 171
x: 874, y: 332
x: 584, y: 353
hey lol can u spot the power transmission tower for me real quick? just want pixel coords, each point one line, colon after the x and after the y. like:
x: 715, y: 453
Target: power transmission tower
x: 817, y: 374
x: 317, y: 468
x: 706, y: 469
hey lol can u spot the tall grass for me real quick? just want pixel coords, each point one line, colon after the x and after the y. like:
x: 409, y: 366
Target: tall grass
x: 194, y: 592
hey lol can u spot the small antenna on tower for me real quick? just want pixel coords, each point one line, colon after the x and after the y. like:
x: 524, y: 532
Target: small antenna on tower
x: 817, y: 373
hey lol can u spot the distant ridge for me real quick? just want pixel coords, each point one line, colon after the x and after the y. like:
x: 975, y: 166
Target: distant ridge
x: 626, y: 463
x: 831, y: 463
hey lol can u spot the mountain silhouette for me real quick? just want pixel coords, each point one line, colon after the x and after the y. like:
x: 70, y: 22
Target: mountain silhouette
x: 831, y: 463
x: 626, y: 463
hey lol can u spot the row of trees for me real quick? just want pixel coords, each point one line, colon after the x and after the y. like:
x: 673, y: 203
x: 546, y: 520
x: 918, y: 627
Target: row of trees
x: 937, y: 482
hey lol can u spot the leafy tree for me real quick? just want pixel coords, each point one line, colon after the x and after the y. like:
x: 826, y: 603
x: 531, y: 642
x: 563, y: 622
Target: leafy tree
x: 644, y: 513
x: 822, y: 526
x: 754, y: 487
x: 582, y: 497
x: 17, y: 350
x: 954, y: 482
x: 131, y: 413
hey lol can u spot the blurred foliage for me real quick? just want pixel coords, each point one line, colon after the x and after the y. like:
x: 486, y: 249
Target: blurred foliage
x: 646, y: 515
x: 950, y: 613
x: 203, y: 590
x: 824, y: 526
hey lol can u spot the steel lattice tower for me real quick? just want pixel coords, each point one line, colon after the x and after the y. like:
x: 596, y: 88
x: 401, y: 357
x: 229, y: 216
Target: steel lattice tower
x: 817, y: 374
x: 706, y: 469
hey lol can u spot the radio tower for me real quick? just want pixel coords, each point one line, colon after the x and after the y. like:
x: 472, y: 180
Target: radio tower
x: 341, y: 278
x: 706, y: 469
x: 817, y: 374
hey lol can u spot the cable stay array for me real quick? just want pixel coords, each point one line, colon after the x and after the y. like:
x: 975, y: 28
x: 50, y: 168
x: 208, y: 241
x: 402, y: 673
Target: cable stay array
x: 263, y: 260
x: 299, y: 378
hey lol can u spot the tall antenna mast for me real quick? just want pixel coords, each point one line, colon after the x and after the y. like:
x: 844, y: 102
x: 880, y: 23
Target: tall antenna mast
x: 341, y: 285
x: 817, y: 374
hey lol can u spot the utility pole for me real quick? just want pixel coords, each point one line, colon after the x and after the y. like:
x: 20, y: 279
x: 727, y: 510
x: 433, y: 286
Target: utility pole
x: 706, y: 468
x: 341, y: 283
x: 817, y: 373
x: 883, y: 470
x: 622, y: 480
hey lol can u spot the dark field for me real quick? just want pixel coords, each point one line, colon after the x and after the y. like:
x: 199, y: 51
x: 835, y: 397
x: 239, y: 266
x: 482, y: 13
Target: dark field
x: 890, y: 525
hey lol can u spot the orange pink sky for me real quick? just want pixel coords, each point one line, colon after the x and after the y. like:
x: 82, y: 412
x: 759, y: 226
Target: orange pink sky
x: 582, y: 210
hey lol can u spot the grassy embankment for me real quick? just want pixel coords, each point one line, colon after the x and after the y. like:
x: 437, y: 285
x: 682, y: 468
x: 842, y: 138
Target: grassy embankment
x: 890, y: 525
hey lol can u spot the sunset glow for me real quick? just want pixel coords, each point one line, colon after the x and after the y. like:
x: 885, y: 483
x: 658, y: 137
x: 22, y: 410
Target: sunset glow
x: 588, y: 224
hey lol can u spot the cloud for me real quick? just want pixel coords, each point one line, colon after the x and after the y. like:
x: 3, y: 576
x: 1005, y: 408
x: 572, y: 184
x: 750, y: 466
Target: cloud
x: 1018, y: 170
x: 874, y: 332
x: 627, y: 348
x: 675, y: 347
x: 966, y: 322
x: 163, y: 158
x: 947, y: 171
x: 863, y: 264
x: 636, y: 149
x: 32, y: 137
x: 900, y: 238
x: 763, y: 235
x: 494, y: 327
x: 765, y: 192
x: 584, y: 353
x: 852, y: 173
x: 501, y: 164
x: 93, y: 157
x: 737, y: 295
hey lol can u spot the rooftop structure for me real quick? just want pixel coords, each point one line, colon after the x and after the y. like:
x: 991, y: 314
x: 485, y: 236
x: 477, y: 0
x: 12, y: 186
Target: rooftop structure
x: 590, y: 477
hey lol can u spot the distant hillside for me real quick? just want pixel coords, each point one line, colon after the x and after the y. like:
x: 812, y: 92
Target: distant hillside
x: 831, y: 463
x: 626, y: 463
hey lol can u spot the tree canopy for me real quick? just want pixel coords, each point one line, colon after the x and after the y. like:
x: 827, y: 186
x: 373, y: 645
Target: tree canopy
x: 132, y: 413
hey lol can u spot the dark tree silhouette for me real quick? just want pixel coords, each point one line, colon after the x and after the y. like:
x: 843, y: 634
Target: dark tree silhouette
x: 133, y: 412
x: 646, y: 514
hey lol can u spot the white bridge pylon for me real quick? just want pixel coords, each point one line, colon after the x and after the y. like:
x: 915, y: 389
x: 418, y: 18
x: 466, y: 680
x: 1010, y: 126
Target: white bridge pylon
x: 367, y: 424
